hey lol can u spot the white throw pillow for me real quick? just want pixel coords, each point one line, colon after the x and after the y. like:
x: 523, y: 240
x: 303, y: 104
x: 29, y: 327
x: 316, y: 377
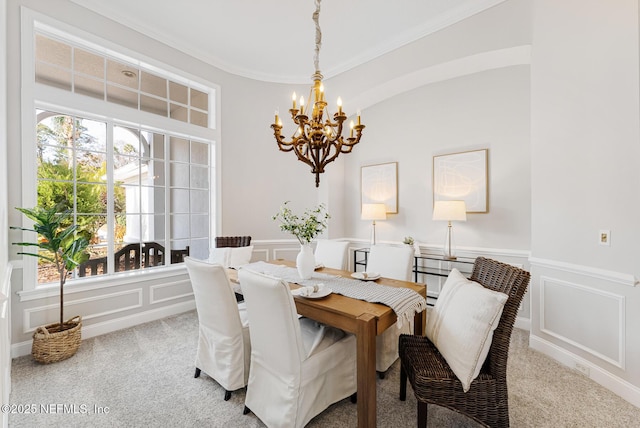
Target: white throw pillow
x: 219, y: 256
x: 240, y: 256
x: 462, y: 322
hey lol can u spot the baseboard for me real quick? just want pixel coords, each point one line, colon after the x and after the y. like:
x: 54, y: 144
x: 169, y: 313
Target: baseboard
x: 523, y: 323
x: 24, y: 348
x: 621, y: 387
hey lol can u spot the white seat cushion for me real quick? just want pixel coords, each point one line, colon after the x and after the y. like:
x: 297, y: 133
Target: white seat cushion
x: 462, y: 322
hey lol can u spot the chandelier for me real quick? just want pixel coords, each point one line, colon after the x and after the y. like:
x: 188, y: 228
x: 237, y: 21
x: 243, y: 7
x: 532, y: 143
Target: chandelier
x: 318, y: 139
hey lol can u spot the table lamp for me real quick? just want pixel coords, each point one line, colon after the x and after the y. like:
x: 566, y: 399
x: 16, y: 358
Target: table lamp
x: 449, y: 211
x: 374, y: 212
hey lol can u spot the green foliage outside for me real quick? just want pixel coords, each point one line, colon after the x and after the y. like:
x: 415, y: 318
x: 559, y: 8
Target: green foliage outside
x: 56, y: 174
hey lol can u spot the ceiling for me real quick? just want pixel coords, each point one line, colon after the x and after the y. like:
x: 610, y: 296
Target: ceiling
x: 275, y: 41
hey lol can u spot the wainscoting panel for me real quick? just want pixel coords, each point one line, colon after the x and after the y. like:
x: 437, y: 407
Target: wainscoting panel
x: 91, y: 307
x: 584, y: 317
x: 170, y: 291
x: 261, y: 255
x: 286, y: 253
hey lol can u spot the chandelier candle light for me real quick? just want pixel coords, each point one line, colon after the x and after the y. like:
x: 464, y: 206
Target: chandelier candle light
x: 317, y: 140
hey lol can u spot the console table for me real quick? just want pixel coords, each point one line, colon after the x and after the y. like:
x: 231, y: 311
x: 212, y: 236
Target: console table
x: 424, y: 264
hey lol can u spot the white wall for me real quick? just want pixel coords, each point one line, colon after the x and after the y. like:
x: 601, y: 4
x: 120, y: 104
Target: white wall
x: 463, y: 88
x: 484, y: 110
x: 585, y: 177
x: 256, y: 177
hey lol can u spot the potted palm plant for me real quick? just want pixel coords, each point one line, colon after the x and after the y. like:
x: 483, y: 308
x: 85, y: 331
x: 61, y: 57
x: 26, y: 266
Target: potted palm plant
x: 59, y: 243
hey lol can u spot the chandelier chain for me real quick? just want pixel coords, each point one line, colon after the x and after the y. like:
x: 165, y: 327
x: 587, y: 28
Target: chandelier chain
x: 316, y: 56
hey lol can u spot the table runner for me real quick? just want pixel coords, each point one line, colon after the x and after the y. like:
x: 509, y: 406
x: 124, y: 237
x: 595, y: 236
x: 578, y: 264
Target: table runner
x: 404, y: 301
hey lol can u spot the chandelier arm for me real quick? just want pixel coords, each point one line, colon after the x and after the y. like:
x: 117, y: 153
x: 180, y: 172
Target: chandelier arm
x: 347, y: 147
x: 282, y: 144
x: 297, y: 150
x: 338, y: 149
x: 353, y: 141
x: 339, y: 130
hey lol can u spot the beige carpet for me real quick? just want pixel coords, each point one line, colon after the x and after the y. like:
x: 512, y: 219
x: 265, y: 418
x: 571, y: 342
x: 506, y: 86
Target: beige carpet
x: 143, y: 377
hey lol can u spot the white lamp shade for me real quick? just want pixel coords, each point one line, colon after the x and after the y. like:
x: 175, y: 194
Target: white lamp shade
x: 374, y: 212
x: 450, y: 210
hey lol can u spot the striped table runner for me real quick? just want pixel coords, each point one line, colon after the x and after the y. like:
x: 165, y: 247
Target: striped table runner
x: 404, y: 301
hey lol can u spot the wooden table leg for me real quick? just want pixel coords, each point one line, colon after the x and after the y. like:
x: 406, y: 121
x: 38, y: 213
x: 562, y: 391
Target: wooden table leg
x: 418, y: 323
x: 366, y: 360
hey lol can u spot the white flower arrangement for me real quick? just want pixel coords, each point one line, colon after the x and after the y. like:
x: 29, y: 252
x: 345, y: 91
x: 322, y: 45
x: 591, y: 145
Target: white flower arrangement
x: 305, y: 227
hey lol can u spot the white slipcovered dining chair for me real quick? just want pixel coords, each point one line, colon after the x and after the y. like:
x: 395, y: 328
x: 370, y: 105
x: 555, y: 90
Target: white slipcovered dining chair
x: 224, y: 347
x: 396, y: 263
x: 331, y: 253
x: 298, y: 366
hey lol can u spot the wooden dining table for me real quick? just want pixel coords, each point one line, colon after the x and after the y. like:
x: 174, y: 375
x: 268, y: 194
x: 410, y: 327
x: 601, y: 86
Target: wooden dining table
x: 365, y: 320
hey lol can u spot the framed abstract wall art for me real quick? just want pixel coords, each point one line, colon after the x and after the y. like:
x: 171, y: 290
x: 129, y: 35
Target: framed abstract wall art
x: 462, y: 176
x: 379, y: 184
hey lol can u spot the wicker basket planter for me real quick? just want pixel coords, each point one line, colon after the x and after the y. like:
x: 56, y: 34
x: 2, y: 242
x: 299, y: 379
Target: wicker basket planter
x: 51, y: 345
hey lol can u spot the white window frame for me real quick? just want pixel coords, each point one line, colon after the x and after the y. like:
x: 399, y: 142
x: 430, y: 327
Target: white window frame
x: 55, y: 99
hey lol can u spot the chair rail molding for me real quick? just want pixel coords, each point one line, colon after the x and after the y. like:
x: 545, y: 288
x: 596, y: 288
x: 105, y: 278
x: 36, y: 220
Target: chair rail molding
x: 90, y: 283
x: 602, y: 274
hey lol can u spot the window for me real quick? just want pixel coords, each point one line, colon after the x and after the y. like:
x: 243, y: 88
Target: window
x: 79, y: 70
x: 128, y: 149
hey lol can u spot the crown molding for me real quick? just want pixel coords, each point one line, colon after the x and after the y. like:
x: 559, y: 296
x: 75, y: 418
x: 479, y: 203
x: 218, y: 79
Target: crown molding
x: 452, y: 16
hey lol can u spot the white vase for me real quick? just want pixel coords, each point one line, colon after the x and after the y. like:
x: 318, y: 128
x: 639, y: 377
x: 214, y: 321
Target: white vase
x: 305, y: 262
x: 416, y: 249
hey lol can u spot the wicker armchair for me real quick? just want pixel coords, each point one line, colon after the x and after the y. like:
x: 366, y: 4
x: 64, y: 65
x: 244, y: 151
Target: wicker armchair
x: 434, y: 382
x: 233, y: 241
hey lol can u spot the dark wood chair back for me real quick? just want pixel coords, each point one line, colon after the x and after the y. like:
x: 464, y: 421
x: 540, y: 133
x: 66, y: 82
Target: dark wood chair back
x: 177, y: 256
x: 513, y: 282
x: 233, y: 241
